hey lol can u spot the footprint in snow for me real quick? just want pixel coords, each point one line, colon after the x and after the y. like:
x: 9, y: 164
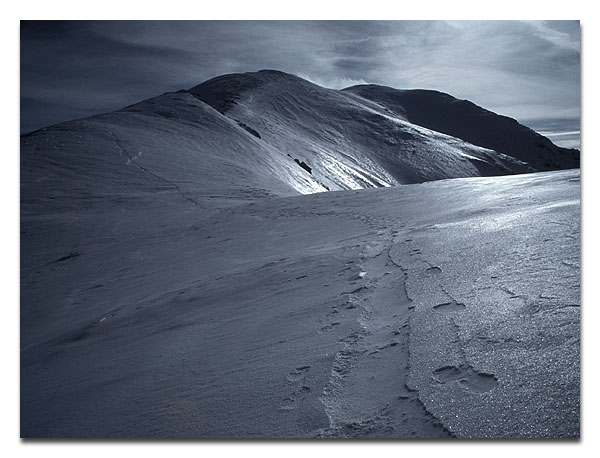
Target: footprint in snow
x: 298, y: 373
x: 465, y: 377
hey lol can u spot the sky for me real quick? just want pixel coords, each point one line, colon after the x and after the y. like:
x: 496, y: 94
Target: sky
x: 529, y: 70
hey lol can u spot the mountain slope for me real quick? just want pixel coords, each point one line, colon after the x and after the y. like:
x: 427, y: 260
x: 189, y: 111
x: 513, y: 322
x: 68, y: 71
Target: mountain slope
x: 349, y: 142
x: 465, y: 120
x: 172, y: 143
x: 256, y: 134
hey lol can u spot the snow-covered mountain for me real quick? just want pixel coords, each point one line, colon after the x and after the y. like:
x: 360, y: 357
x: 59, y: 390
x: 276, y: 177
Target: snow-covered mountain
x: 349, y: 142
x: 274, y: 133
x: 175, y: 282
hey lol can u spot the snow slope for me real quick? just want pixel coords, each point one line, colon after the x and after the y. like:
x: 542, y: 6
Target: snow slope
x: 175, y: 282
x: 449, y: 308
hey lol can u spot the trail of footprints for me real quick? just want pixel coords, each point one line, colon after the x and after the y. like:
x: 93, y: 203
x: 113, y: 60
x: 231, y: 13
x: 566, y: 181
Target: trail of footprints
x: 361, y: 341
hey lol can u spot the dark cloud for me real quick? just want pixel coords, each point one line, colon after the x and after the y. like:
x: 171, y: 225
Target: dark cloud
x: 527, y: 70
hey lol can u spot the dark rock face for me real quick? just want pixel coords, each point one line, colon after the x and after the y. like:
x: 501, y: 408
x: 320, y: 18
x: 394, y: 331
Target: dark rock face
x: 303, y: 165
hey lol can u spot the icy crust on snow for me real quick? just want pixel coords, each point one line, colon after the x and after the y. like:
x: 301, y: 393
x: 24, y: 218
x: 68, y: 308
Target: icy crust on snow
x: 494, y: 344
x: 443, y: 309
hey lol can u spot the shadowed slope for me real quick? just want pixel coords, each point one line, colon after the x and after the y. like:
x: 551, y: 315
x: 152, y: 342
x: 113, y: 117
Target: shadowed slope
x: 467, y: 121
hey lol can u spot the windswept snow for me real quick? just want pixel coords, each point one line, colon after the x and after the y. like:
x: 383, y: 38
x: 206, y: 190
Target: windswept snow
x: 448, y: 308
x: 175, y: 282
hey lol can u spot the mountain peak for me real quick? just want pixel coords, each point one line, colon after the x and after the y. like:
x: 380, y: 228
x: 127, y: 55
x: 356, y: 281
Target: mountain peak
x: 223, y: 91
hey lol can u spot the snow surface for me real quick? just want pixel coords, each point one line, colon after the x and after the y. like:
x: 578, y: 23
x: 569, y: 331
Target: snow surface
x: 159, y: 319
x: 174, y: 282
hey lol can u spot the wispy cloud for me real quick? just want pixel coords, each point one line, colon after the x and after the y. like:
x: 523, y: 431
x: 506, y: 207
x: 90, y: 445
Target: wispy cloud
x: 332, y: 82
